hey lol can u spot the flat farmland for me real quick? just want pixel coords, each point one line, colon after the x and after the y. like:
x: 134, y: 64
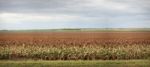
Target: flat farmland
x: 75, y: 38
x: 75, y: 45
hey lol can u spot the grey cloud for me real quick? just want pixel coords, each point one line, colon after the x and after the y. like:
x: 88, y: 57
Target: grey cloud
x: 76, y: 7
x: 140, y: 4
x: 35, y: 5
x: 96, y: 13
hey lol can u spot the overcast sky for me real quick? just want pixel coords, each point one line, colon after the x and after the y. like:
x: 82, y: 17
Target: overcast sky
x: 49, y: 14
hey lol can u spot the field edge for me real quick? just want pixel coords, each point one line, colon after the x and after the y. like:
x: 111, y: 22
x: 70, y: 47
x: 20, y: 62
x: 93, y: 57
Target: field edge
x: 78, y: 63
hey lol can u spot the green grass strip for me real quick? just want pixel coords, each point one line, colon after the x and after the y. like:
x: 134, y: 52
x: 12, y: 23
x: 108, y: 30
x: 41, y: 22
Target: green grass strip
x: 79, y: 63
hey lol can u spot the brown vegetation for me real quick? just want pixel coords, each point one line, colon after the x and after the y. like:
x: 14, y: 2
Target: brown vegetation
x: 75, y: 45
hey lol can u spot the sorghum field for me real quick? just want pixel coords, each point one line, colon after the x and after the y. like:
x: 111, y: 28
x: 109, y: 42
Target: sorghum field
x: 75, y: 45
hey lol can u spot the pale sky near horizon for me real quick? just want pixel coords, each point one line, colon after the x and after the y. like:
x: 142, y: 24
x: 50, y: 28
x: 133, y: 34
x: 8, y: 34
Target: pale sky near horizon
x: 51, y: 14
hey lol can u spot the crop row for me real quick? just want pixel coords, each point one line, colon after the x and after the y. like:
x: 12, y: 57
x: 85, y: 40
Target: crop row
x: 75, y: 53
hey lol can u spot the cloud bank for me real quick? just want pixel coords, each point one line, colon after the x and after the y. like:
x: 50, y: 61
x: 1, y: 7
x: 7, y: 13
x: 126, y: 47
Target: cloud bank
x: 45, y: 14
